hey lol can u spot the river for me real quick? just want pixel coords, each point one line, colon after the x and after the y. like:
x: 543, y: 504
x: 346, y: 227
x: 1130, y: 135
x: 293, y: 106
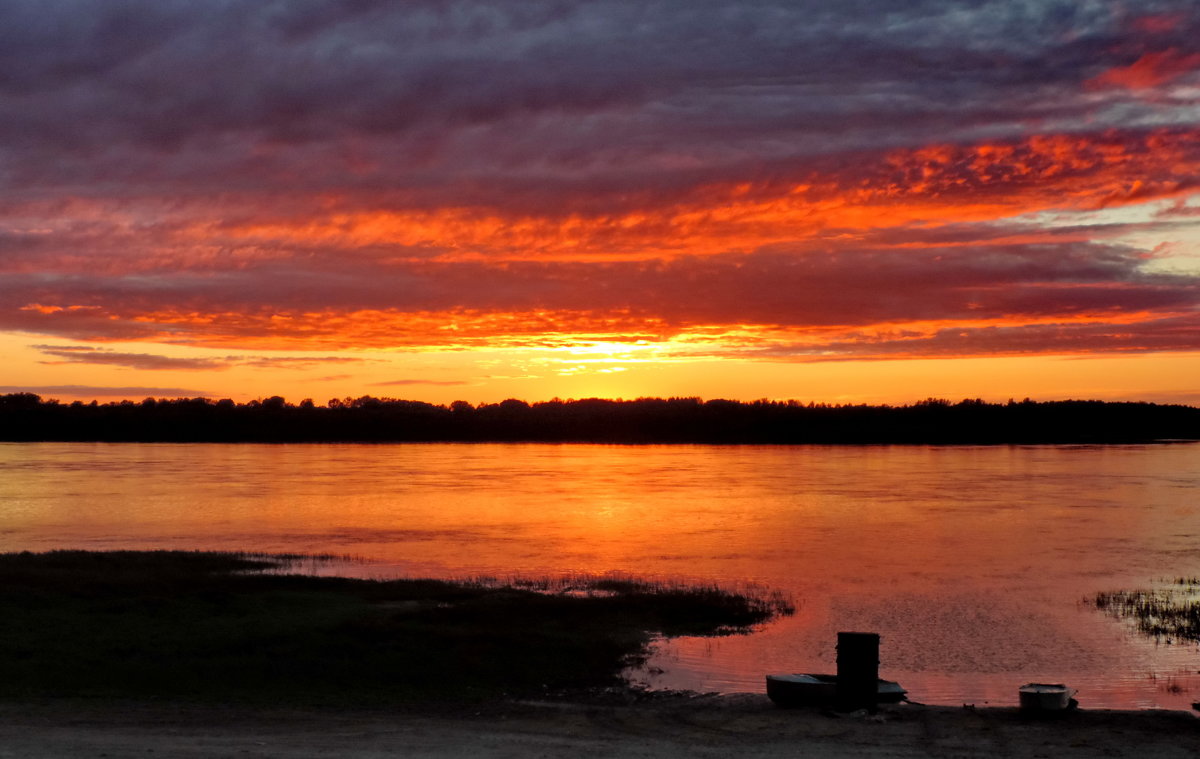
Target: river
x: 973, y: 563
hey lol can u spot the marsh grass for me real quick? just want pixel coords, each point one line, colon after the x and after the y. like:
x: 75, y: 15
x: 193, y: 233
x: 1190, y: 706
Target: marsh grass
x: 232, y: 627
x: 1169, y: 614
x: 687, y: 608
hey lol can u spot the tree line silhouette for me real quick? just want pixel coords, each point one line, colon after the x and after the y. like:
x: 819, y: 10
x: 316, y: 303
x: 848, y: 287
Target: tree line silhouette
x: 27, y: 417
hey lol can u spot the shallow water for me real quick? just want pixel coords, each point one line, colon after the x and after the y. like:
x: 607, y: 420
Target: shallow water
x: 972, y: 562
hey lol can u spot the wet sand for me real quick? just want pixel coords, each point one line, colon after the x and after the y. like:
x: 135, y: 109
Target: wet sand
x: 741, y: 725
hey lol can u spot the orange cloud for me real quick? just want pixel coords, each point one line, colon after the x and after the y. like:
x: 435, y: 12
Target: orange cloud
x: 1013, y: 333
x: 458, y: 329
x: 1150, y: 70
x: 929, y: 186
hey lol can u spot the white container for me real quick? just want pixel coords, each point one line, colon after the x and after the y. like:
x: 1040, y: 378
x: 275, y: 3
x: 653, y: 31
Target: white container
x: 1045, y: 697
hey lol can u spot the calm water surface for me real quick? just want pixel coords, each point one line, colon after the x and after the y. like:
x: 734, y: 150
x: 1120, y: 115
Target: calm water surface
x: 971, y: 562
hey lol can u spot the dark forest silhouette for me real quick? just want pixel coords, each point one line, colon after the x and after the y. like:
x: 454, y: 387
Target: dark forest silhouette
x: 27, y: 417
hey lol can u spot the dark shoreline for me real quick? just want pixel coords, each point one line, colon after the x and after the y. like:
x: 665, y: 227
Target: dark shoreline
x: 208, y: 627
x: 25, y: 417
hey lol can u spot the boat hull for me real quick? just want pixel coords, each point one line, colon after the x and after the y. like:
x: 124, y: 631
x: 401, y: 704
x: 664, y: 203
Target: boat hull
x: 820, y: 690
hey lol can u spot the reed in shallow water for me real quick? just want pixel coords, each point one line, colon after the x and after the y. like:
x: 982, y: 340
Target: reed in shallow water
x: 1165, y: 614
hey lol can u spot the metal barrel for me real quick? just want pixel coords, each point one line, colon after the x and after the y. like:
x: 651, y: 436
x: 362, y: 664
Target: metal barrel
x: 857, y: 671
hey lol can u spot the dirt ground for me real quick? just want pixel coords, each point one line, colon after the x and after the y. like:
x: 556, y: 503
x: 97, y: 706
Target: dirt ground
x: 745, y: 725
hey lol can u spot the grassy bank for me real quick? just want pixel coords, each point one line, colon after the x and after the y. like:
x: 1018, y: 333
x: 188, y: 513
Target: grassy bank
x: 214, y: 626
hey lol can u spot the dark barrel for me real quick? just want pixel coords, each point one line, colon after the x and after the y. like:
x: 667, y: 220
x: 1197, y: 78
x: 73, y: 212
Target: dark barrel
x: 857, y: 671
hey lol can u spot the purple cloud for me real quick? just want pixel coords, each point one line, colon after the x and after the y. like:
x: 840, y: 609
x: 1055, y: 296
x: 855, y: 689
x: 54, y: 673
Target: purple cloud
x: 1152, y: 336
x: 435, y: 100
x: 102, y: 356
x: 72, y: 354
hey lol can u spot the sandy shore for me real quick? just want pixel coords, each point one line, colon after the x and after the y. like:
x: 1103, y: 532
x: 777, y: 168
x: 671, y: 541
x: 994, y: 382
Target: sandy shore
x: 737, y: 725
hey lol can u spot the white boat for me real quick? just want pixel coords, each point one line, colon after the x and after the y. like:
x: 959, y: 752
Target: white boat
x: 821, y: 690
x: 1046, y: 697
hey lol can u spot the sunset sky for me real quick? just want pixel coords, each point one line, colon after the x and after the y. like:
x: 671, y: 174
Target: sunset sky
x: 853, y: 201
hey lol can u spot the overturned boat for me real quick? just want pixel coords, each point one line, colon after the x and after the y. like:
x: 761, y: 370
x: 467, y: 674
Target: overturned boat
x: 820, y: 690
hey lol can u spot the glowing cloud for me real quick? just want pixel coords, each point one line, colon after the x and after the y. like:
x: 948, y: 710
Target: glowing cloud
x: 704, y: 180
x: 1150, y: 70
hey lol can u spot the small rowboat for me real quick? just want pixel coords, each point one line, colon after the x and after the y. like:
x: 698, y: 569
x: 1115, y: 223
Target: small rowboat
x: 1046, y: 697
x: 820, y: 690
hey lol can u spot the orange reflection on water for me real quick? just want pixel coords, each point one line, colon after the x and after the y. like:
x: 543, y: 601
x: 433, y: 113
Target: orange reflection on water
x: 971, y: 562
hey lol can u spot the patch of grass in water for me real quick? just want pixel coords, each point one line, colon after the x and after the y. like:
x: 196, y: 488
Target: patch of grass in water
x: 1166, y: 614
x: 222, y: 626
x: 681, y: 608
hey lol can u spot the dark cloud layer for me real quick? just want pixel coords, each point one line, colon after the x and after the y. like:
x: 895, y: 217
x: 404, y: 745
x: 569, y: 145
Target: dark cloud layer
x: 427, y: 97
x: 1010, y: 285
x: 1157, y: 335
x: 73, y: 354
